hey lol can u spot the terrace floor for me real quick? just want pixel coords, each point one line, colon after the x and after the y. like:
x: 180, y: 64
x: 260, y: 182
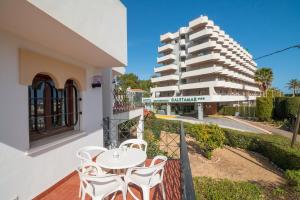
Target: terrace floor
x: 68, y: 187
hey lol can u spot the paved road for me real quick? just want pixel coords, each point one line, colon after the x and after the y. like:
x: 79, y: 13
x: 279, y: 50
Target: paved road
x: 222, y: 122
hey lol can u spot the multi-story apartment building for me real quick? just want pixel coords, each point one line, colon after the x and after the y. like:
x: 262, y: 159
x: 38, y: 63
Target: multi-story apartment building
x: 200, y: 69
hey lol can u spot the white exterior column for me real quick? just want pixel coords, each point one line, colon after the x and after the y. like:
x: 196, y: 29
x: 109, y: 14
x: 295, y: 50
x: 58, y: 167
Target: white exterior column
x: 200, y: 111
x: 168, y: 109
x: 140, y: 128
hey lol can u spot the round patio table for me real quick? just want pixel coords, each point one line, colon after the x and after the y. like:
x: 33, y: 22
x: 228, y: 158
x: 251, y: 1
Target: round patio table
x: 131, y: 157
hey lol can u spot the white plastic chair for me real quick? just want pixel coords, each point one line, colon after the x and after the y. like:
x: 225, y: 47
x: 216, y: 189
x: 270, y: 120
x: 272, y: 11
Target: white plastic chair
x: 147, y: 177
x: 133, y: 143
x: 86, y: 155
x: 99, y: 185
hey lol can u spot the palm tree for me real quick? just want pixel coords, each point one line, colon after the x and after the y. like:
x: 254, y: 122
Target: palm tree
x: 294, y: 85
x: 264, y: 76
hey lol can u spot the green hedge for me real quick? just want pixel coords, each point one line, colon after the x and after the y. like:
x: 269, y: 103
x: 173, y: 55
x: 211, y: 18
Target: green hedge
x: 247, y: 111
x: 224, y: 189
x: 293, y: 178
x: 158, y: 125
x: 264, y: 108
x: 227, y: 110
x: 274, y: 147
x: 285, y: 107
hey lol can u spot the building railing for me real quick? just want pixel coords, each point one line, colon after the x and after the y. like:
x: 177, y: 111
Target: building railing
x: 125, y: 101
x: 188, y: 191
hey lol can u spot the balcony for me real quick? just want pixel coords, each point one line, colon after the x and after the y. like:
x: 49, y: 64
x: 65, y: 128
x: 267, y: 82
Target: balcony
x: 201, y: 21
x: 166, y: 37
x: 164, y: 88
x: 169, y: 57
x: 202, y: 33
x: 166, y: 47
x: 182, y: 64
x: 199, y: 72
x: 203, y: 58
x: 182, y: 42
x: 182, y: 54
x: 202, y: 46
x: 170, y: 77
x: 204, y: 84
x: 166, y: 68
x: 177, y: 179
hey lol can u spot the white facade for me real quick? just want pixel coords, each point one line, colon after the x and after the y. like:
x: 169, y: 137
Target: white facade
x: 91, y: 35
x: 202, y: 60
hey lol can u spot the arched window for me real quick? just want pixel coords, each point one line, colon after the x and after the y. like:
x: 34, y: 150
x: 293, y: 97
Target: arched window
x: 51, y: 110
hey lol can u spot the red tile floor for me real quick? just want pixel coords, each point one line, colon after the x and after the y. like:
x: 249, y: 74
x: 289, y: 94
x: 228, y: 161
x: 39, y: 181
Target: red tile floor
x: 68, y: 188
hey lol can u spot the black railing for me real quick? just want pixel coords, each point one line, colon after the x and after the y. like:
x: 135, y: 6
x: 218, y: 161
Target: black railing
x: 188, y: 192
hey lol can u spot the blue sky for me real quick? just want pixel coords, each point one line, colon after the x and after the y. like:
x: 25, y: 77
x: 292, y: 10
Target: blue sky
x: 262, y: 26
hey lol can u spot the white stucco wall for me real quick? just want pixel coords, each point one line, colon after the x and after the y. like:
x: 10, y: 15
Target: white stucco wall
x: 23, y: 176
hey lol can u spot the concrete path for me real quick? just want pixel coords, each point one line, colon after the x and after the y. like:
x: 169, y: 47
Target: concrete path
x: 222, y: 122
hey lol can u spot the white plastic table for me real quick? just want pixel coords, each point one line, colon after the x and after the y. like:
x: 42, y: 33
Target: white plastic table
x: 132, y: 157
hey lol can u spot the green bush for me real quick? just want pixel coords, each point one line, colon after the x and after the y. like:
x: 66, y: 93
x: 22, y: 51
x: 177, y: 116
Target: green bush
x: 228, y: 110
x: 274, y: 147
x: 153, y: 144
x: 292, y: 106
x: 293, y: 178
x: 212, y: 189
x: 285, y: 107
x: 247, y: 111
x: 158, y: 125
x: 208, y: 137
x: 280, y: 109
x: 264, y: 108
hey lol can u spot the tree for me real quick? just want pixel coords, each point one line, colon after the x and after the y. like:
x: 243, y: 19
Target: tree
x: 264, y: 76
x: 146, y: 85
x: 294, y: 85
x: 128, y: 80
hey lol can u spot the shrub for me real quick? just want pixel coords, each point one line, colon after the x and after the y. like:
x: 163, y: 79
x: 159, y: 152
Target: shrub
x: 158, y: 125
x: 153, y: 144
x: 224, y: 189
x: 280, y: 110
x: 292, y: 106
x: 208, y: 137
x: 228, y: 110
x: 274, y: 147
x: 264, y: 108
x: 247, y: 111
x: 293, y: 178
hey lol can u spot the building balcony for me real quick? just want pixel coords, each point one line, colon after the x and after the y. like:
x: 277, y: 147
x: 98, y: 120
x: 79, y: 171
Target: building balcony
x: 200, y: 21
x: 202, y: 33
x: 171, y: 77
x: 199, y: 72
x: 166, y: 68
x: 165, y: 58
x: 164, y: 88
x: 204, y: 58
x: 166, y: 37
x: 182, y: 64
x: 183, y: 30
x: 202, y: 46
x: 182, y: 42
x: 166, y: 47
x: 182, y: 53
x: 177, y: 175
x: 204, y: 84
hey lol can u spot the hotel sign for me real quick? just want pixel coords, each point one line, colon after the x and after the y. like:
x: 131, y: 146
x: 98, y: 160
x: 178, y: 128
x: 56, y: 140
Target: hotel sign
x: 185, y: 99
